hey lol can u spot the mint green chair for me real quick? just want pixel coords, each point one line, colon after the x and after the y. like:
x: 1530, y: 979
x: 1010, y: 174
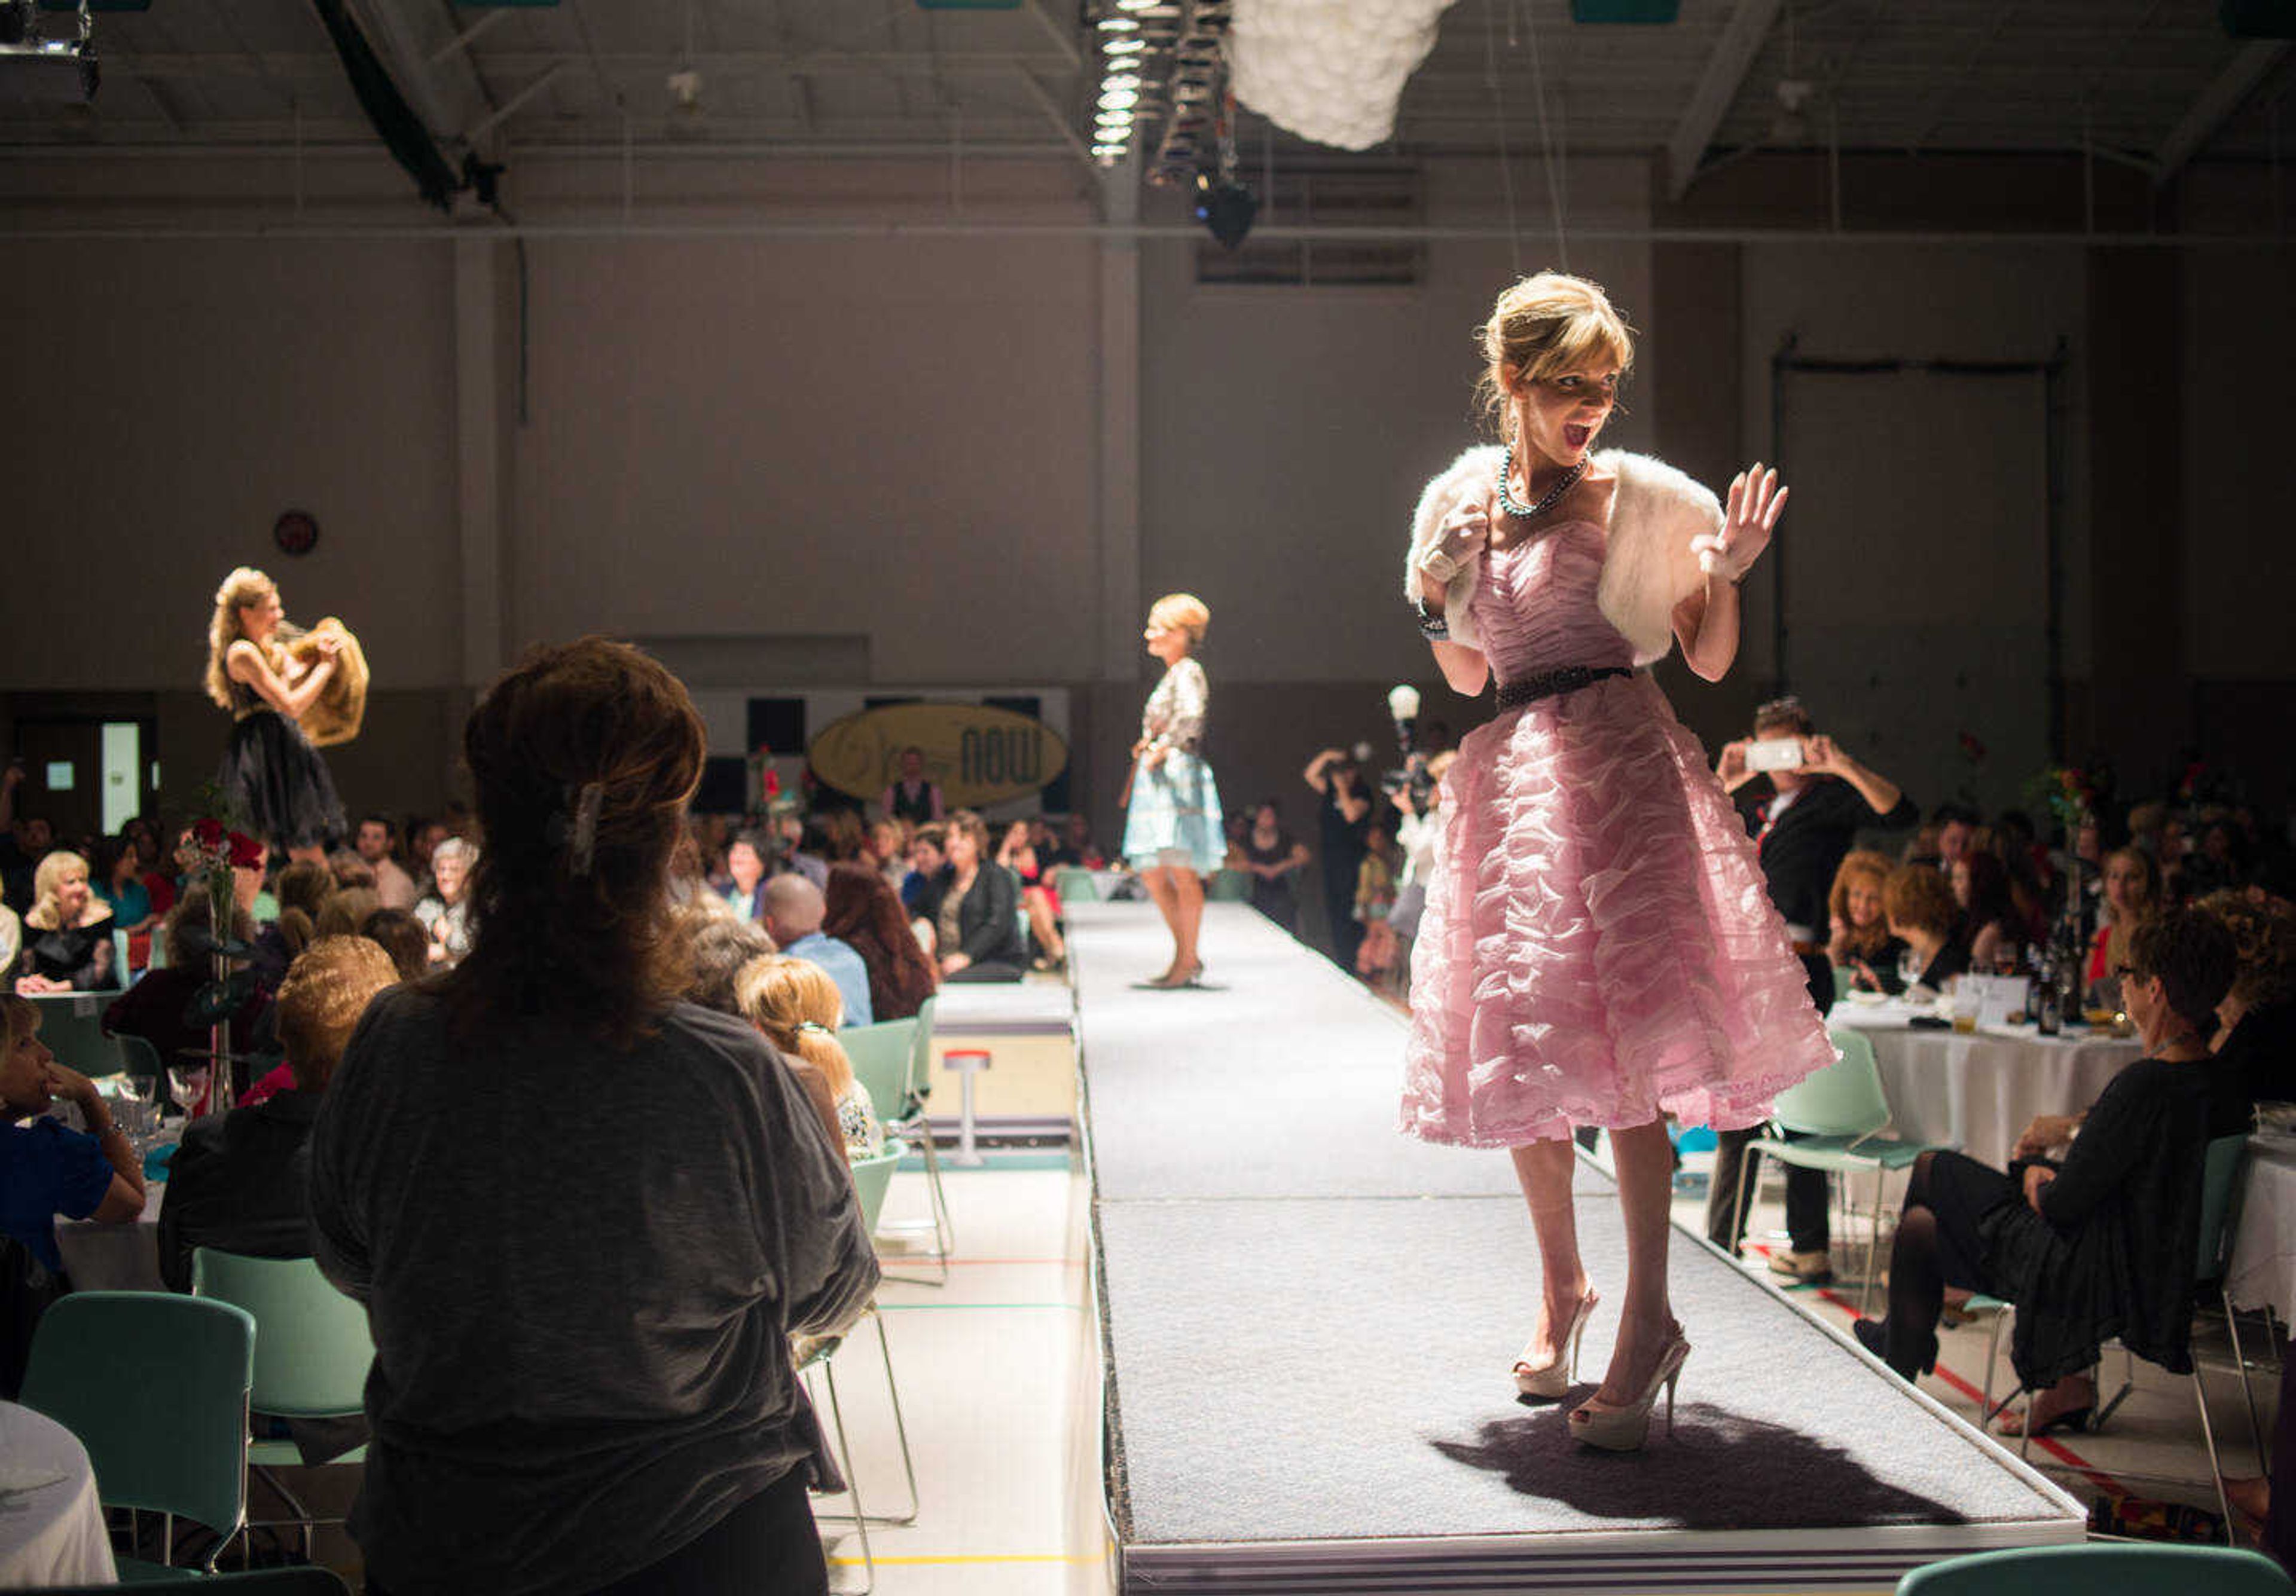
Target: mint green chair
x: 2124, y: 1570
x: 871, y: 1177
x: 312, y: 1353
x: 1844, y: 977
x: 156, y: 1387
x: 1075, y: 885
x: 899, y: 1097
x: 80, y: 1041
x: 1838, y: 1115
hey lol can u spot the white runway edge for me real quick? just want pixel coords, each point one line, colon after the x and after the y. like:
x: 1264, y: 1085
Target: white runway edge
x: 1306, y: 1323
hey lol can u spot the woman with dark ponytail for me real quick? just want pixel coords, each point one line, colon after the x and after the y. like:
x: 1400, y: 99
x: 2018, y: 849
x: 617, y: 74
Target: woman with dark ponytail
x: 623, y: 1323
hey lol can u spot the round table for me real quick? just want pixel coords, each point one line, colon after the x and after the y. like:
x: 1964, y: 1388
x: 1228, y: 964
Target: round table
x: 50, y: 1524
x: 2263, y: 1270
x: 1978, y: 1090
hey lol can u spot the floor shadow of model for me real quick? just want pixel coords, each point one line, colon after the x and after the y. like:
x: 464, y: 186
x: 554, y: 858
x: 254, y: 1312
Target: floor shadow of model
x: 1718, y: 1470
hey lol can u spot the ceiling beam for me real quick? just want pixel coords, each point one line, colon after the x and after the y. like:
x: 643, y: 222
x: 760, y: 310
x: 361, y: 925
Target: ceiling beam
x: 1718, y: 86
x: 2215, y: 105
x: 447, y: 95
x: 294, y: 67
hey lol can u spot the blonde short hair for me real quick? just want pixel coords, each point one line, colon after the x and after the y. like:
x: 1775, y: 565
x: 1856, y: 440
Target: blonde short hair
x: 1547, y: 325
x: 327, y: 989
x: 1181, y: 612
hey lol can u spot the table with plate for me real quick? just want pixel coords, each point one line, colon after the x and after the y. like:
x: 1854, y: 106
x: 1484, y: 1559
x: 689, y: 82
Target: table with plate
x: 50, y: 1524
x: 1976, y: 1090
x: 2263, y: 1269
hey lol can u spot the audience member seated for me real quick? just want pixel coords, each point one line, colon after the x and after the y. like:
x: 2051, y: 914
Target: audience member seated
x: 1077, y: 847
x: 349, y: 870
x: 796, y: 1006
x: 68, y: 934
x: 860, y: 910
x: 1861, y: 943
x: 745, y: 863
x: 118, y: 878
x: 45, y: 1169
x: 885, y: 850
x: 928, y: 876
x: 1919, y: 906
x: 303, y: 890
x: 661, y: 1388
x: 2132, y: 891
x: 237, y: 1181
x: 2255, y: 1024
x: 397, y: 933
x: 376, y: 844
x: 1989, y: 927
x: 445, y: 913
x: 722, y: 945
x: 976, y: 924
x: 794, y: 910
x: 913, y: 796
x: 158, y: 1007
x: 1956, y: 833
x: 348, y: 910
x: 2099, y: 1243
x: 11, y: 938
x: 1040, y: 901
x: 422, y: 839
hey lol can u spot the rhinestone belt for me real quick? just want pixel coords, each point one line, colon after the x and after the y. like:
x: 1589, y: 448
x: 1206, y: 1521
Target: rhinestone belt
x: 1566, y: 678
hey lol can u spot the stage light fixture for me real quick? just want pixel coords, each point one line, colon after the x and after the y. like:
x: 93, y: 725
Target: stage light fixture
x: 1227, y: 207
x: 1120, y: 80
x: 1120, y: 25
x: 1119, y: 100
x: 1123, y: 46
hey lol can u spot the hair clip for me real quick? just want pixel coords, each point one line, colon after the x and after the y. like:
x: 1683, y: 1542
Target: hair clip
x: 814, y: 1025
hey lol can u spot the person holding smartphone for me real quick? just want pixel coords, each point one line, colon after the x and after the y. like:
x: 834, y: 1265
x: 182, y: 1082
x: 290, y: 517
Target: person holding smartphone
x: 1820, y: 799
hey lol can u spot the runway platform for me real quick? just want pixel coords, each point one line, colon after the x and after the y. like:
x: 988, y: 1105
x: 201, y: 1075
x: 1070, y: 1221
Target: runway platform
x: 1307, y: 1322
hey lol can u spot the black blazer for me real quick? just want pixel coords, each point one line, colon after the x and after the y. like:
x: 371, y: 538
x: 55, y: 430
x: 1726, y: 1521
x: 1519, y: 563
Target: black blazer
x: 990, y: 919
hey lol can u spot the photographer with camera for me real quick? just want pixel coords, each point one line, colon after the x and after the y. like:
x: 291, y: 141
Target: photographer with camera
x: 1342, y: 816
x: 1821, y: 799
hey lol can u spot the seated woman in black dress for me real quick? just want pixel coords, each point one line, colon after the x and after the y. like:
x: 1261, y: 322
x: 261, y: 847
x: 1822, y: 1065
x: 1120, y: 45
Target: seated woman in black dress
x: 68, y: 933
x: 2100, y: 1244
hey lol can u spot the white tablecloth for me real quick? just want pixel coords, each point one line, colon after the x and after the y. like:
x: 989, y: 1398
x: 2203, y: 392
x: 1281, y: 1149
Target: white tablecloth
x: 1003, y: 1009
x: 51, y: 1523
x: 2263, y: 1272
x: 115, y: 1257
x: 1977, y: 1091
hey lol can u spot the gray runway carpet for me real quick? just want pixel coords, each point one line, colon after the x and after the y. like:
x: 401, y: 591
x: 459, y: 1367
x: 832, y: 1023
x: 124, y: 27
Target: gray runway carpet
x: 1309, y: 1321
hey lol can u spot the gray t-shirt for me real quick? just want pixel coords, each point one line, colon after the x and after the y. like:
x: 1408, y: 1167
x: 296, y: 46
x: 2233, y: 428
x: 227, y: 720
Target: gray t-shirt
x: 580, y: 1266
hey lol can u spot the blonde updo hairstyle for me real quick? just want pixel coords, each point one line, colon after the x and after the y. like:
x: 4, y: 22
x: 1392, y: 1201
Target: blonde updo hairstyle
x: 1181, y: 612
x: 244, y: 587
x: 1542, y: 326
x: 796, y: 1005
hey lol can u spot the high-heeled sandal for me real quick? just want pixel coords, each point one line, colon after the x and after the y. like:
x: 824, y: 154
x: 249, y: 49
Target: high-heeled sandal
x: 1553, y: 1379
x: 1624, y: 1429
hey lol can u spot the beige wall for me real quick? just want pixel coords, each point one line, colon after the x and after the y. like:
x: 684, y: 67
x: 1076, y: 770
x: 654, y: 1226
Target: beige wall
x: 888, y: 433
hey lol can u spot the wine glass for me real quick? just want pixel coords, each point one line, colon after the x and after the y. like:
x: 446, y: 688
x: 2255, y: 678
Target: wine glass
x: 132, y: 1106
x: 187, y: 1084
x: 1909, y: 970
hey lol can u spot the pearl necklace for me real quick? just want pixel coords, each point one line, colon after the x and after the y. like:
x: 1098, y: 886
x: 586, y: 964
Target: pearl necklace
x: 1552, y: 497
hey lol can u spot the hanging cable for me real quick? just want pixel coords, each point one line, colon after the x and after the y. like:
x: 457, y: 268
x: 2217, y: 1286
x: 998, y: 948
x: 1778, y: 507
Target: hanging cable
x: 1546, y: 144
x: 1498, y: 125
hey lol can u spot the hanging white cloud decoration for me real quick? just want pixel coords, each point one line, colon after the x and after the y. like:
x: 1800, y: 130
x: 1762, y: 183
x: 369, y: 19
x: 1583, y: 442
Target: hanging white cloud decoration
x: 1330, y: 71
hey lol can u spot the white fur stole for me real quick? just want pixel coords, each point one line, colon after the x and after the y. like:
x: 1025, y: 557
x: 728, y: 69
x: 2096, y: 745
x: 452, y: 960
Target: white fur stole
x: 1648, y: 565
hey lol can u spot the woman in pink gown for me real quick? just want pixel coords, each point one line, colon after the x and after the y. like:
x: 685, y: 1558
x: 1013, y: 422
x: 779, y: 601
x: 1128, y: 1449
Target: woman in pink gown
x: 1597, y: 948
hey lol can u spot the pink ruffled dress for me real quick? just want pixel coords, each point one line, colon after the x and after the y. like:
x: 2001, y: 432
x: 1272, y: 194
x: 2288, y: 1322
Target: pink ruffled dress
x: 1597, y: 946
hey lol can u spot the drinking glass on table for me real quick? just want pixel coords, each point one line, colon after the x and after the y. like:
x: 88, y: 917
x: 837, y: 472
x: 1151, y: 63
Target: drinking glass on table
x: 1909, y: 970
x: 187, y: 1085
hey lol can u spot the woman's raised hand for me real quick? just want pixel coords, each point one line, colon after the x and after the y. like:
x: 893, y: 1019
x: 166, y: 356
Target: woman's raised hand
x: 1749, y: 517
x: 1464, y: 535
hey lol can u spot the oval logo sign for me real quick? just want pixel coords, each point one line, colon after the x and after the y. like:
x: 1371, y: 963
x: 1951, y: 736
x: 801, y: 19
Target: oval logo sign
x: 979, y: 754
